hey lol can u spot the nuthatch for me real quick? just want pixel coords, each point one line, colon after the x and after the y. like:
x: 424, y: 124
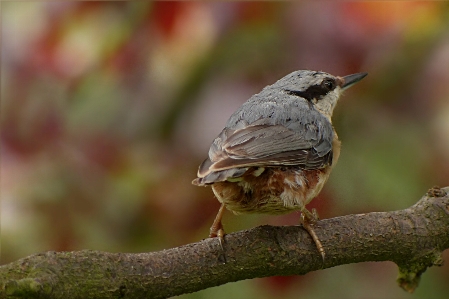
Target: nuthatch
x: 277, y: 150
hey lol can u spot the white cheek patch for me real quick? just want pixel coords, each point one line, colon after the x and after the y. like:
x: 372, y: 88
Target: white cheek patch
x: 327, y: 104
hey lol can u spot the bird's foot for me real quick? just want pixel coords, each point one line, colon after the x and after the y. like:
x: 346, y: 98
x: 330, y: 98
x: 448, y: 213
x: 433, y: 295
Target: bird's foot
x: 312, y: 217
x: 218, y: 231
x: 308, y: 221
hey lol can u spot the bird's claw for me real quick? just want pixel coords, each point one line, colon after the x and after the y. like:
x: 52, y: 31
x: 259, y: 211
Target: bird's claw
x: 220, y: 233
x: 308, y: 220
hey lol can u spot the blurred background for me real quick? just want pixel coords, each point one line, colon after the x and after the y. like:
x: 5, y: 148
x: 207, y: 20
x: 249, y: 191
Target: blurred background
x: 108, y: 108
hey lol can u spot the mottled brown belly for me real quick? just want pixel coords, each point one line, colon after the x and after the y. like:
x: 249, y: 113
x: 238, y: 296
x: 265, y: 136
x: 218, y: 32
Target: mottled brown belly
x: 277, y: 190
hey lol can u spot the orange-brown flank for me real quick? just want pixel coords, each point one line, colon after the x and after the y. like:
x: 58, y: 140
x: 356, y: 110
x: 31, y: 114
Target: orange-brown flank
x: 277, y: 190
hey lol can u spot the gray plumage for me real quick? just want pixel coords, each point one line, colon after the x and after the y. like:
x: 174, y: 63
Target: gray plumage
x: 280, y: 126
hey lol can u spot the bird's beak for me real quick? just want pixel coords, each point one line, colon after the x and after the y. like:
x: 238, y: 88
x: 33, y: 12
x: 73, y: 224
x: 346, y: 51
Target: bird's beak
x: 350, y: 80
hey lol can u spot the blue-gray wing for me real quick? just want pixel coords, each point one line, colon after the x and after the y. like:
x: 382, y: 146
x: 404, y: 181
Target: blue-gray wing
x: 295, y: 143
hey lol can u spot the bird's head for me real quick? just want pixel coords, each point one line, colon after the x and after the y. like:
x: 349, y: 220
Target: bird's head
x: 322, y: 90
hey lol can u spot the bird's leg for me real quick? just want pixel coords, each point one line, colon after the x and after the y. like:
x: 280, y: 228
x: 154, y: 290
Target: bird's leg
x: 308, y: 220
x: 216, y: 230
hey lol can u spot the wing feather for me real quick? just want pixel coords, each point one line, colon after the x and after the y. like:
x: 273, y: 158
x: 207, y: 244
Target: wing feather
x: 267, y: 145
x: 262, y: 141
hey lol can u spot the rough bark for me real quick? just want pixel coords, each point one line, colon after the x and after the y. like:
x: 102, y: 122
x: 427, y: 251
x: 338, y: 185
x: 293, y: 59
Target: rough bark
x: 413, y: 238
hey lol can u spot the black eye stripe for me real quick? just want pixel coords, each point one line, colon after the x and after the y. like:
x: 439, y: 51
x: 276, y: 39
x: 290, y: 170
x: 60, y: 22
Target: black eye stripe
x: 314, y: 91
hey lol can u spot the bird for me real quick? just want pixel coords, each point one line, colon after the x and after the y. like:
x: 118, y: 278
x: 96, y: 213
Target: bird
x: 277, y: 150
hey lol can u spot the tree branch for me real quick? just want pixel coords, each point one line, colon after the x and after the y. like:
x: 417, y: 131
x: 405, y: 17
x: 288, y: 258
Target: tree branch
x: 413, y: 238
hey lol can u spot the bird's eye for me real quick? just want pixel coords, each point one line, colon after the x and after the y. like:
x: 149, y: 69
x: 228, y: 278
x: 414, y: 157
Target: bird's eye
x: 329, y: 84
